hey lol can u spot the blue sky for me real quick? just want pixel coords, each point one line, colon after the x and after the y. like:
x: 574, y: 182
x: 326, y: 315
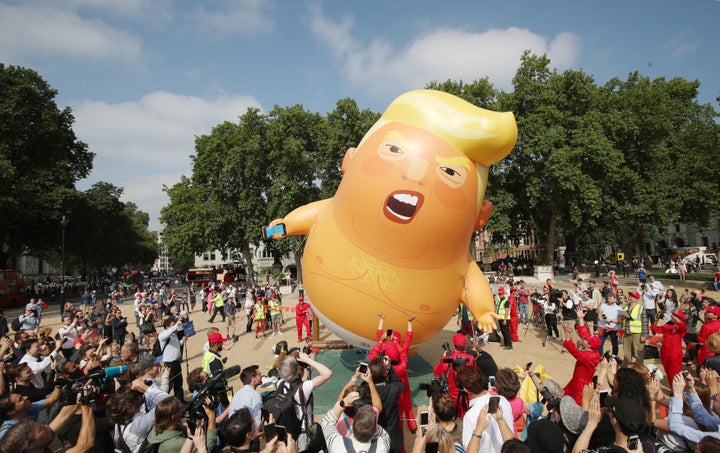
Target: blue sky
x: 145, y: 77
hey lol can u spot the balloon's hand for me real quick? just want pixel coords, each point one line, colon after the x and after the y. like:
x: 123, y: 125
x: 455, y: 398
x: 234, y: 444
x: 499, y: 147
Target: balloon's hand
x: 486, y: 322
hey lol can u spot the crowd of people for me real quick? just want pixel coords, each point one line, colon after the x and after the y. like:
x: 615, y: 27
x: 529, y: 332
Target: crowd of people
x: 101, y: 382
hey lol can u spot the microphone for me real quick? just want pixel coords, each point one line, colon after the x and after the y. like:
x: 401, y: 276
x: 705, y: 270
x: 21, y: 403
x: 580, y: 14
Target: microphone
x: 231, y: 371
x: 113, y: 371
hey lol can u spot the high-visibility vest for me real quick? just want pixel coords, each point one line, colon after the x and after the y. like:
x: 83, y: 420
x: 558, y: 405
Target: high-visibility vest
x: 501, y: 307
x: 218, y: 300
x: 274, y: 307
x: 635, y: 322
x: 207, y: 359
x: 464, y: 311
x: 259, y: 311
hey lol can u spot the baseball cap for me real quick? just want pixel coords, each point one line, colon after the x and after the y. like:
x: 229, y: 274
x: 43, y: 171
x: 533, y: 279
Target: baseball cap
x: 501, y: 290
x: 680, y: 315
x: 459, y: 340
x: 713, y: 309
x: 216, y: 338
x: 634, y: 294
x: 594, y: 341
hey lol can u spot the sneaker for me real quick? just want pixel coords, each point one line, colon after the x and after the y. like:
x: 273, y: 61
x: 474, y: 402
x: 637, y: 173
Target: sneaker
x: 279, y: 333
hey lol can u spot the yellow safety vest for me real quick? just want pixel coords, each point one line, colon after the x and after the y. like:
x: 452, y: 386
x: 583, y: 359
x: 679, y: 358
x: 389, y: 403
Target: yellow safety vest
x: 218, y: 300
x: 207, y: 359
x: 259, y: 311
x: 501, y: 307
x: 274, y: 307
x: 635, y: 322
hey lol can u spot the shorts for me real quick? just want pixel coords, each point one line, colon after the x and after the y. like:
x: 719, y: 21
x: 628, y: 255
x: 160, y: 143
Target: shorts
x: 230, y: 321
x: 275, y: 318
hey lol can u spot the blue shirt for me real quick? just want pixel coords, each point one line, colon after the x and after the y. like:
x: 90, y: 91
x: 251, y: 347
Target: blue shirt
x: 247, y: 397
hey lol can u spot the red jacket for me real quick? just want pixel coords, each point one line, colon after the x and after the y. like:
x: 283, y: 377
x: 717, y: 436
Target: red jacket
x: 301, y: 310
x: 585, y: 363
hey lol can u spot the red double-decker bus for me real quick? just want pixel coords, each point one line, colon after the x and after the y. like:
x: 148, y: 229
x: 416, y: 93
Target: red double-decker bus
x: 203, y: 277
x: 12, y: 288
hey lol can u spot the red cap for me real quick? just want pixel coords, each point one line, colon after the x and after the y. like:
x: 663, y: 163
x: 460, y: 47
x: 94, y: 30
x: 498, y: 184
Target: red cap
x: 512, y: 288
x: 680, y: 315
x: 258, y: 298
x: 634, y: 294
x: 396, y: 336
x: 713, y: 309
x: 594, y: 341
x: 216, y: 338
x: 459, y: 340
x: 391, y: 350
x: 301, y: 298
x: 501, y: 290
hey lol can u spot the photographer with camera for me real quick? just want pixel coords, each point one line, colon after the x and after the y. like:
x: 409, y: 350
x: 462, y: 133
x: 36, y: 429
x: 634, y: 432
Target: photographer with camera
x: 29, y: 436
x: 172, y: 355
x: 389, y: 388
x: 446, y: 371
x: 40, y: 365
x: 132, y: 409
x: 168, y: 433
x: 389, y: 345
x: 364, y: 433
x: 68, y: 333
x: 345, y: 420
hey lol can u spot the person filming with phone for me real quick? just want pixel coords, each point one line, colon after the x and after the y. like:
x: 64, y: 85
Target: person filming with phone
x: 489, y: 419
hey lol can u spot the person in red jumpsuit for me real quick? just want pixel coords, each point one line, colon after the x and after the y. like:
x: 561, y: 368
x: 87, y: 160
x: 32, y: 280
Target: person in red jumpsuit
x: 514, y: 314
x: 712, y: 325
x: 447, y: 370
x: 301, y: 318
x: 586, y: 355
x: 387, y: 345
x: 671, y: 352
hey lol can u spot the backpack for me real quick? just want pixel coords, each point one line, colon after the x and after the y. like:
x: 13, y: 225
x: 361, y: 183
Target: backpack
x: 145, y: 446
x: 281, y: 404
x: 156, y: 350
x: 16, y: 324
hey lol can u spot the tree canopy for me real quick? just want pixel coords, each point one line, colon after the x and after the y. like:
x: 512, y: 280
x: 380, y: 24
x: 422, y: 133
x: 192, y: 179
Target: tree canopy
x: 594, y: 165
x: 41, y: 160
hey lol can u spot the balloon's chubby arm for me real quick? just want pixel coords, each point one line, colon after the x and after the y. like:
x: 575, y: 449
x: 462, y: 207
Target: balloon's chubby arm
x: 478, y: 298
x: 298, y: 222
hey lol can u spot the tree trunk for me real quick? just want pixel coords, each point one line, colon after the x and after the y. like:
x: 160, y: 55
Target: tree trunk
x: 550, y: 252
x: 248, y: 259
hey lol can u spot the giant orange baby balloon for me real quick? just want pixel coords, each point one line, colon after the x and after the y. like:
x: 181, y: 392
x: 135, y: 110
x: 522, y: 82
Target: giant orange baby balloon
x: 395, y: 236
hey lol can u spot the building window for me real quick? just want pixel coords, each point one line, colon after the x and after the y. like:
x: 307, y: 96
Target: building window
x: 206, y: 257
x: 212, y: 256
x: 677, y: 227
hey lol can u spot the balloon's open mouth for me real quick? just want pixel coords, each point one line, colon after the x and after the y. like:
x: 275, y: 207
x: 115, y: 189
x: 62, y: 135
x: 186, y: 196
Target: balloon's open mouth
x: 401, y: 207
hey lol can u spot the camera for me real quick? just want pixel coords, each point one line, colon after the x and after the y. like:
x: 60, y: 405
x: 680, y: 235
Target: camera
x: 9, y: 359
x: 551, y: 401
x: 435, y: 387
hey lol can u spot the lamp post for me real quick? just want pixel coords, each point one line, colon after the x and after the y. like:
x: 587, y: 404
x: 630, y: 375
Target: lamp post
x: 63, y: 224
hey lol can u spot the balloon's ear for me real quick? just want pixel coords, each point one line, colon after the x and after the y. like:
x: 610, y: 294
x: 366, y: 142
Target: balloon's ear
x: 349, y: 154
x: 485, y: 210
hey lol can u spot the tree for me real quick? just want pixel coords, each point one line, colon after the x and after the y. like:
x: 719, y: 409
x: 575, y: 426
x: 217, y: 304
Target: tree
x: 103, y: 232
x: 293, y: 138
x: 40, y: 161
x: 344, y: 128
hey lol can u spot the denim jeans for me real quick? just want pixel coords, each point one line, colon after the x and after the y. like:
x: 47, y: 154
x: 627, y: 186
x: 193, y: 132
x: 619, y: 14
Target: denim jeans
x: 524, y: 313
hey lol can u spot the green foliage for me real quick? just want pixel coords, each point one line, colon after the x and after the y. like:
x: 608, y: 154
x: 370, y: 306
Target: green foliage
x: 40, y: 161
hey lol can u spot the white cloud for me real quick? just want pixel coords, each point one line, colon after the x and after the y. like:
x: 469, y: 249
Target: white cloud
x: 142, y: 145
x: 47, y: 31
x: 441, y: 54
x: 235, y: 17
